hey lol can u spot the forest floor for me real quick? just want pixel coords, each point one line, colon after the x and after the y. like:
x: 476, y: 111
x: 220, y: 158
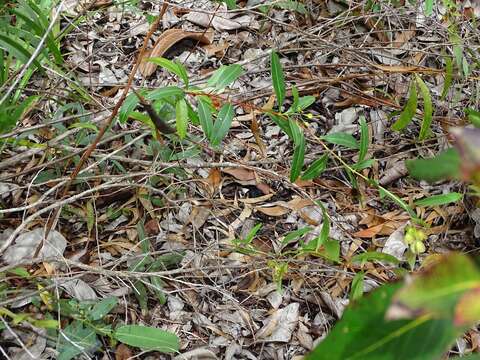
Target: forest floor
x: 211, y: 242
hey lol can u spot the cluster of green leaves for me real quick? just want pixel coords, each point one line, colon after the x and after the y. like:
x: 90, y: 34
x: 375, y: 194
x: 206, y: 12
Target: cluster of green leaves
x: 22, y: 25
x: 89, y: 320
x: 171, y: 103
x: 410, y: 109
x: 419, y: 319
x: 321, y: 246
x: 154, y: 284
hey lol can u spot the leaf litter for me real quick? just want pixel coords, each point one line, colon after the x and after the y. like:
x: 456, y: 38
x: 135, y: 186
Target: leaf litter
x: 219, y: 283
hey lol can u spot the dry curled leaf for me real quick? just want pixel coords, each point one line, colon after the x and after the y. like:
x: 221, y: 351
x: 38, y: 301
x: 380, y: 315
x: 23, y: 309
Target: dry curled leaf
x: 166, y: 41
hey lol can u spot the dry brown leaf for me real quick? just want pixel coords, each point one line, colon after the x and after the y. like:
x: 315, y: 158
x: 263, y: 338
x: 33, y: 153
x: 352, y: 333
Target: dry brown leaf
x: 213, y: 180
x: 403, y: 37
x: 256, y: 131
x: 273, y: 210
x: 166, y: 41
x: 256, y: 200
x: 123, y: 352
x: 240, y: 173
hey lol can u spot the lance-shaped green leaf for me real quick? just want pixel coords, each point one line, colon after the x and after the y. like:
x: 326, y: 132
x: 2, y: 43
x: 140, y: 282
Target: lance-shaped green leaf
x: 448, y: 77
x: 445, y: 165
x: 437, y: 200
x: 224, y: 76
x: 364, y: 139
x: 409, y: 111
x: 427, y: 108
x: 341, y: 138
x: 147, y: 338
x: 298, y: 158
x: 278, y: 78
x: 364, y: 332
x: 175, y: 67
x: 205, y: 117
x: 316, y: 168
x: 222, y: 124
x: 181, y: 113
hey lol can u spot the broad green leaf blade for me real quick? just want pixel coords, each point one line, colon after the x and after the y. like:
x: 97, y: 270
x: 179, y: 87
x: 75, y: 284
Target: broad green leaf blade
x: 181, y: 115
x: 428, y: 7
x: 205, y: 117
x: 364, y: 333
x: 283, y: 123
x: 174, y: 67
x: 364, y: 139
x: 437, y: 200
x: 356, y: 289
x: 224, y: 76
x: 76, y: 339
x: 296, y: 130
x: 291, y: 5
x: 427, y: 109
x: 342, y: 139
x: 147, y: 338
x: 439, y: 288
x: 298, y: 158
x: 304, y: 102
x: 102, y: 308
x: 331, y: 250
x: 128, y: 106
x: 278, y: 78
x: 409, y: 111
x: 473, y: 116
x: 369, y: 256
x: 445, y: 165
x: 386, y: 193
x: 18, y: 50
x: 222, y: 124
x: 448, y: 76
x: 293, y: 235
x: 316, y: 168
x: 165, y: 92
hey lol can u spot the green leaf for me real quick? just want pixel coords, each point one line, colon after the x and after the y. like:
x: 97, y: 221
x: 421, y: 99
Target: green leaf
x: 282, y: 123
x: 374, y: 256
x: 428, y: 7
x: 293, y: 235
x: 76, y: 339
x: 298, y: 158
x: 331, y: 250
x: 304, y: 102
x: 437, y: 200
x: 291, y: 5
x: 20, y: 271
x: 164, y: 93
x: 90, y: 213
x: 365, y: 333
x: 84, y: 125
x: 439, y: 289
x: 181, y: 114
x: 296, y: 131
x: 18, y: 50
x: 278, y: 78
x: 222, y: 124
x: 386, y: 193
x: 356, y: 289
x: 409, y: 111
x: 175, y: 67
x: 363, y: 164
x: 157, y: 286
x: 102, y: 308
x: 224, y: 76
x: 342, y: 139
x: 252, y: 233
x: 147, y: 338
x: 427, y: 109
x: 448, y: 76
x: 445, y: 165
x: 128, y: 106
x: 473, y: 116
x: 316, y: 168
x: 364, y: 139
x: 205, y: 117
